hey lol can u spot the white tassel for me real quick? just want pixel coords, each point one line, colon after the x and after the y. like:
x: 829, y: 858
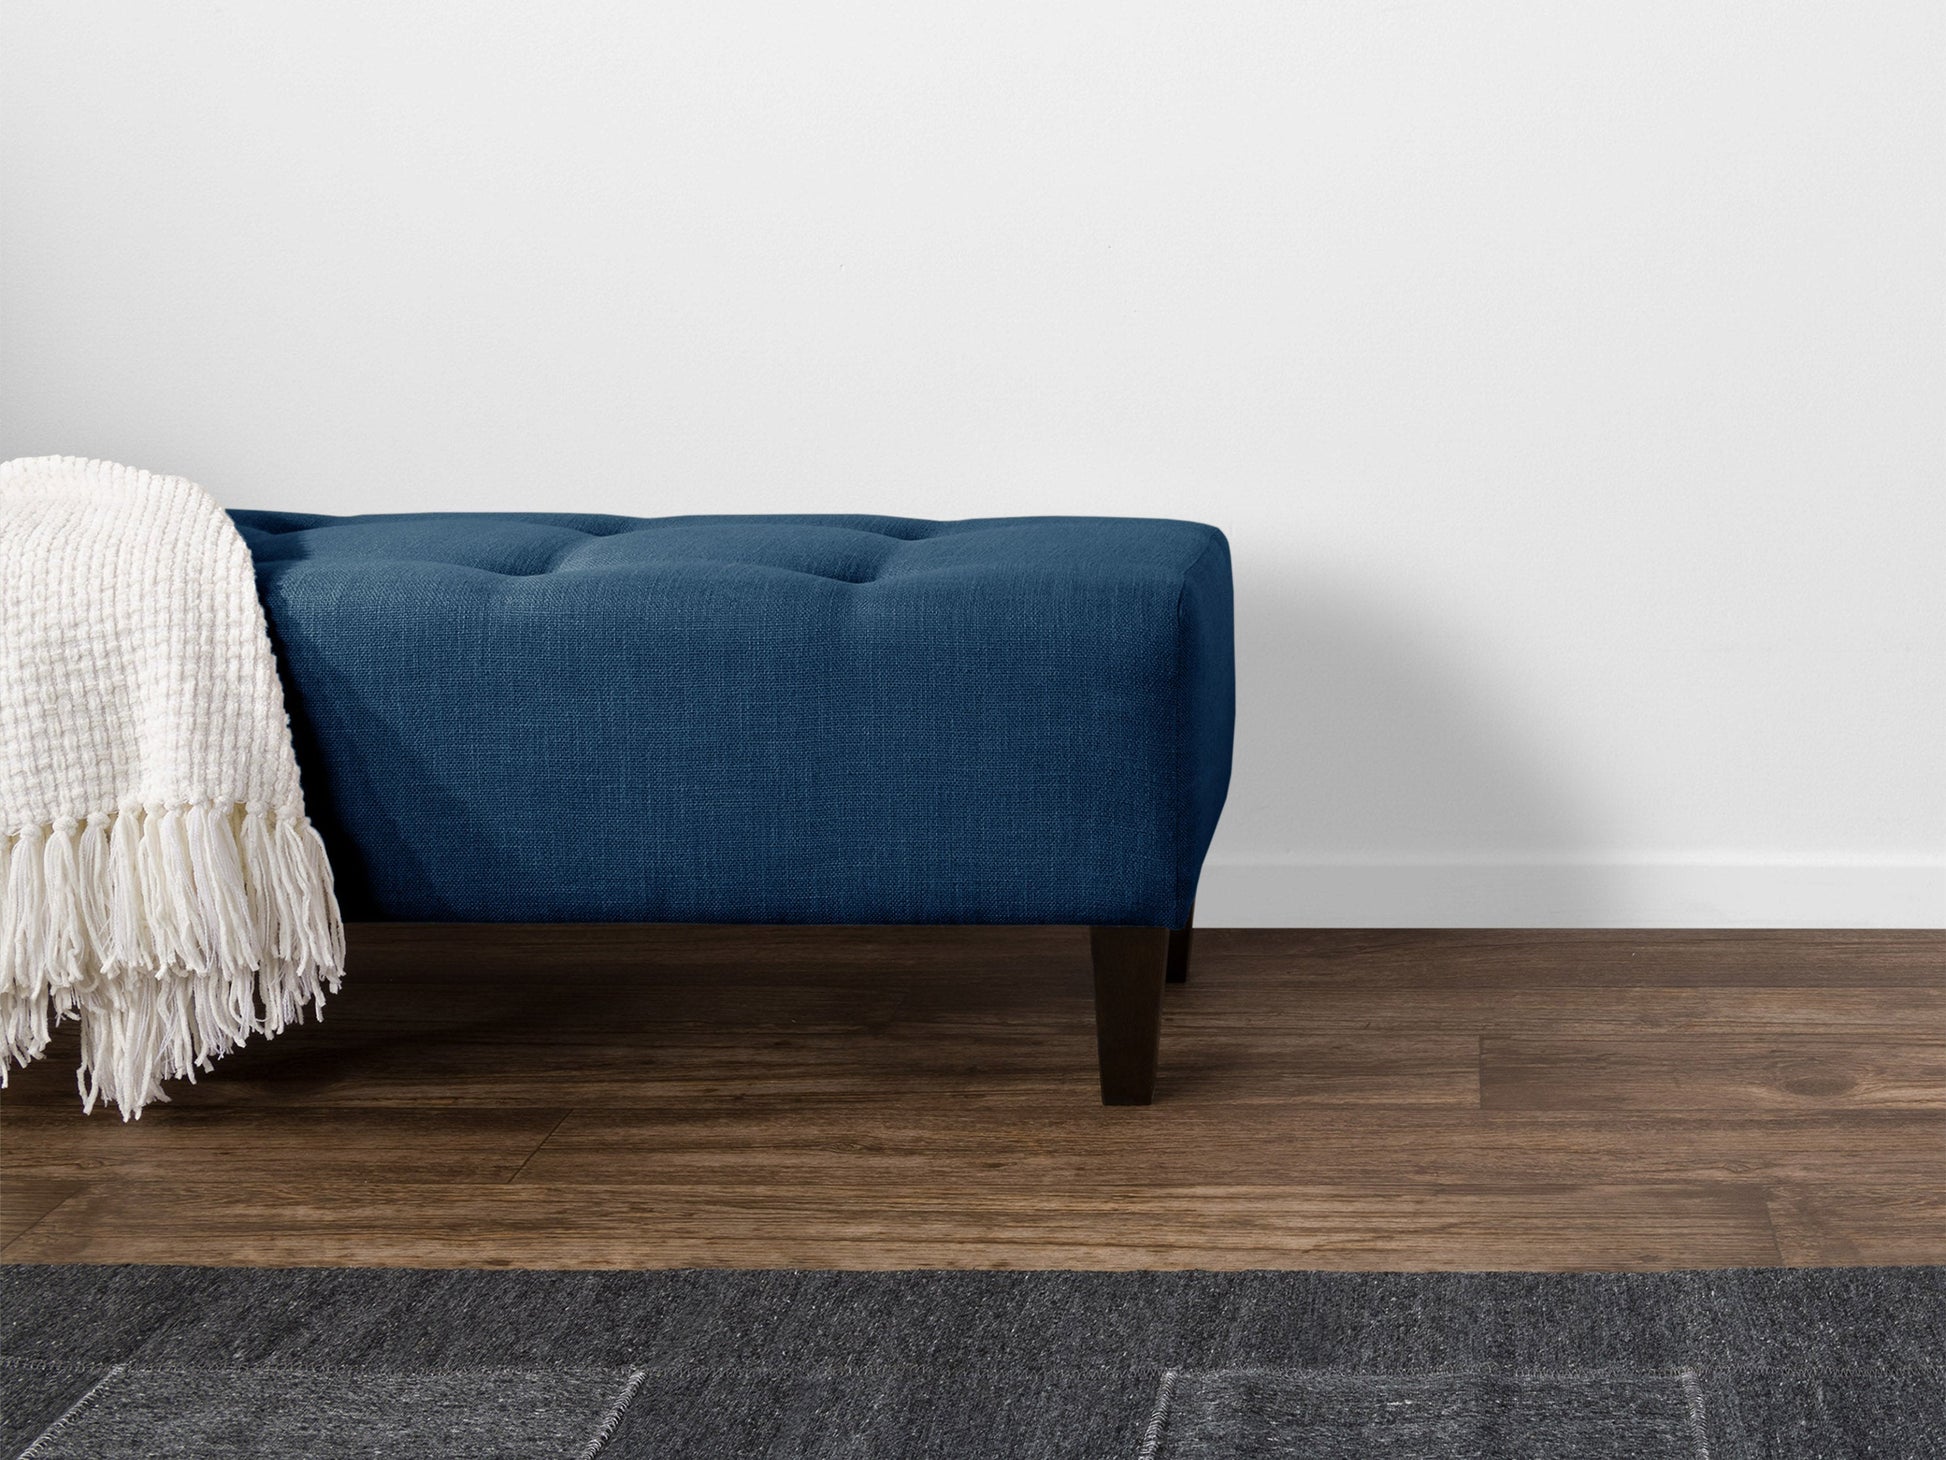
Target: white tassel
x: 93, y: 886
x: 129, y: 945
x: 24, y: 917
x: 174, y: 935
x: 225, y: 908
x: 253, y: 837
x: 23, y: 964
x: 65, y: 941
x: 169, y: 889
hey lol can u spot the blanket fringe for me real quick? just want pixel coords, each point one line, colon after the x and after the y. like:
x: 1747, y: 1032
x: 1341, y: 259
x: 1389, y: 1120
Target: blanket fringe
x: 172, y: 933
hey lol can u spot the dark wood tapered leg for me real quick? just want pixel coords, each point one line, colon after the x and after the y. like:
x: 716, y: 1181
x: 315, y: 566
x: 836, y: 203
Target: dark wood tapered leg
x: 1130, y: 964
x: 1179, y: 939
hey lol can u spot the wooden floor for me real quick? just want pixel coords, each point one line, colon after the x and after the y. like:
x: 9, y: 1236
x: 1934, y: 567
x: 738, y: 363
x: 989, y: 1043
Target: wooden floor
x: 632, y: 1097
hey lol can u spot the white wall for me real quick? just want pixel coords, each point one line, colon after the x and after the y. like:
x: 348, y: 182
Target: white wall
x: 1568, y: 377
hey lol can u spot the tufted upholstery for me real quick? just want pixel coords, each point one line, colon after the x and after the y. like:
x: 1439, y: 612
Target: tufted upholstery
x: 540, y: 717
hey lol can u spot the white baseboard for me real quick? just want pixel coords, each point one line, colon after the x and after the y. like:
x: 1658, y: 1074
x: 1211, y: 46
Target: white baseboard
x: 1571, y: 895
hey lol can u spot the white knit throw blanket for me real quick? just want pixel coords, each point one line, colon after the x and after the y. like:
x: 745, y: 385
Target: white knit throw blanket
x: 158, y: 878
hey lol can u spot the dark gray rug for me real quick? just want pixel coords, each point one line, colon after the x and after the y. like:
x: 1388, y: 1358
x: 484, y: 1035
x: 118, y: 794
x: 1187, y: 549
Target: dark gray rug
x: 112, y: 1362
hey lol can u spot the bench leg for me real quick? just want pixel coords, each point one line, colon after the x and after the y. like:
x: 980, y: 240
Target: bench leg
x: 1179, y: 948
x: 1130, y: 964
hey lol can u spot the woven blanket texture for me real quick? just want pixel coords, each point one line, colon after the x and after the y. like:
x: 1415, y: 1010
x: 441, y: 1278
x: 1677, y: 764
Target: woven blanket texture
x: 159, y: 880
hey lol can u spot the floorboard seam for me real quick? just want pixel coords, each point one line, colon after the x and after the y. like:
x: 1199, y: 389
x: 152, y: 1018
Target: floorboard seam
x: 22, y: 1234
x: 1768, y: 1191
x: 537, y: 1148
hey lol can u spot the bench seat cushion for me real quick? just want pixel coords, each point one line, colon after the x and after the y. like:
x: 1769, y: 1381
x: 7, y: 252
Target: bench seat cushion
x: 541, y: 717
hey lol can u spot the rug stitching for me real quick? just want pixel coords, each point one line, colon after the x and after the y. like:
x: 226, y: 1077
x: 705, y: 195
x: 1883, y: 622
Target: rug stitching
x: 1693, y: 1394
x: 71, y: 1411
x: 1152, y: 1436
x: 622, y: 1401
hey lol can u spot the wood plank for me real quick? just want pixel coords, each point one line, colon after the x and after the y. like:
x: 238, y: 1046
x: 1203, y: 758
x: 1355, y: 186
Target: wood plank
x: 1558, y: 1012
x: 198, y: 1144
x: 756, y: 1140
x: 516, y: 1037
x: 550, y: 1000
x: 1476, y: 958
x: 1513, y: 958
x: 352, y: 1063
x: 1698, y: 1073
x: 763, y: 1096
x: 826, y: 1225
x: 843, y: 972
x: 1846, y: 1226
x: 24, y: 1200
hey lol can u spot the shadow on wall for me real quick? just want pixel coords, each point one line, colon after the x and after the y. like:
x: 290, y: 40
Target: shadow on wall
x: 1391, y: 770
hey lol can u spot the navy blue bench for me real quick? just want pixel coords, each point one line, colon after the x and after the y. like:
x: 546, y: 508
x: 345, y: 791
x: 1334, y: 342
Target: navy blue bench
x: 779, y: 719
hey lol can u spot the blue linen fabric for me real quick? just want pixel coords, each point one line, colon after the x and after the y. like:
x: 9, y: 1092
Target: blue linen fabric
x: 771, y: 719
